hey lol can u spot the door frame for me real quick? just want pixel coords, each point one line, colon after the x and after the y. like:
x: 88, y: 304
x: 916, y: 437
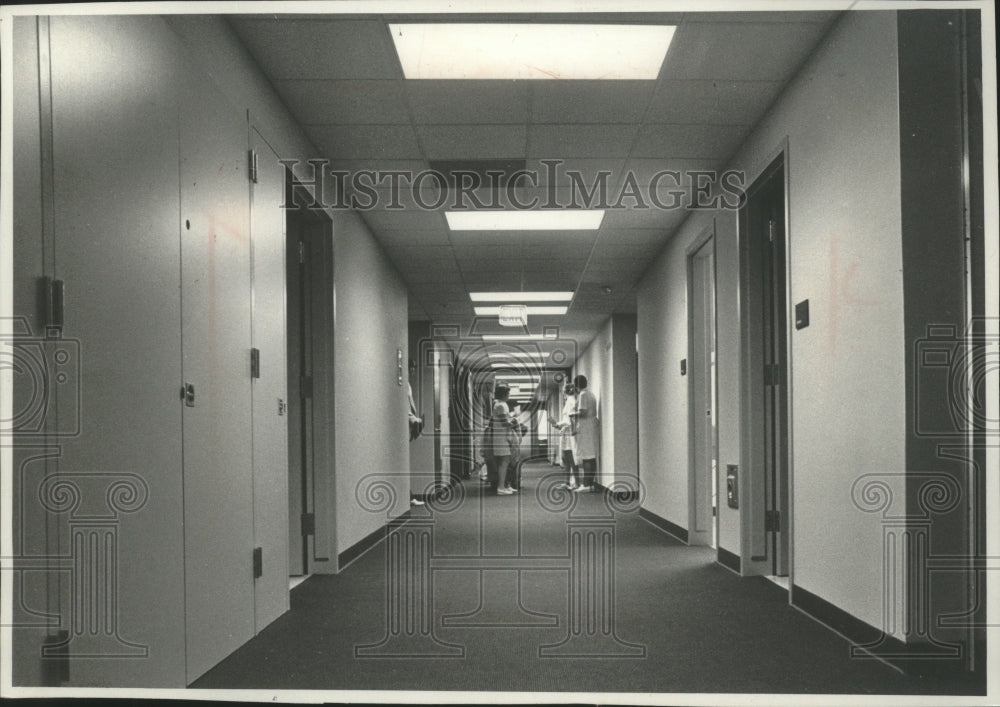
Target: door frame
x: 706, y: 237
x: 315, y: 229
x: 756, y: 555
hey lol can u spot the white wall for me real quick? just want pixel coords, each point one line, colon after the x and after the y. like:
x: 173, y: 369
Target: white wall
x: 370, y: 299
x: 160, y: 56
x: 608, y: 362
x: 661, y: 304
x: 596, y: 364
x: 840, y: 118
x: 624, y: 392
x: 370, y: 311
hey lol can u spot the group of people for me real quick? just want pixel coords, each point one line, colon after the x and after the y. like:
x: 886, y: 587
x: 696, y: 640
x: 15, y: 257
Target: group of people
x: 578, y: 427
x: 578, y: 440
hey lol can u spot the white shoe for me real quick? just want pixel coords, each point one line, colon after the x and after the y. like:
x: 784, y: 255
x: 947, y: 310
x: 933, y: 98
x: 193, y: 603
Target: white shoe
x: 512, y: 489
x: 415, y: 502
x: 504, y: 492
x: 581, y: 489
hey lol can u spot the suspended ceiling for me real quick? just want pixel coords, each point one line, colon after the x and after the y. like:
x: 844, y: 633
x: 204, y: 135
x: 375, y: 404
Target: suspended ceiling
x: 341, y: 79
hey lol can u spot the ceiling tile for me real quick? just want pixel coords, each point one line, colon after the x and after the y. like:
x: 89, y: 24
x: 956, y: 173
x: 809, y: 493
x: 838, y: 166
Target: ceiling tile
x: 472, y: 142
x: 740, y: 50
x: 719, y: 101
x: 318, y: 102
x: 486, y: 251
x: 459, y: 101
x: 589, y: 101
x: 630, y: 235
x: 659, y: 219
x: 410, y: 221
x: 688, y: 141
x: 320, y: 48
x: 556, y: 280
x: 645, y: 169
x: 572, y: 170
x: 568, y: 141
x: 431, y: 276
x: 556, y: 253
x: 361, y: 141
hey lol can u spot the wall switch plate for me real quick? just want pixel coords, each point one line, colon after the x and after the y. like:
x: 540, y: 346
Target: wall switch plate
x: 802, y: 314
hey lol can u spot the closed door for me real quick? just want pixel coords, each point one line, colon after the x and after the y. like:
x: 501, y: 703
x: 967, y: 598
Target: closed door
x: 270, y: 395
x: 703, y: 465
x: 216, y: 369
x: 764, y: 386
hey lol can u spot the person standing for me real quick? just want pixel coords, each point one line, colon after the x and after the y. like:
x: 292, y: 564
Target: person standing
x: 503, y: 426
x: 567, y: 438
x: 416, y: 422
x: 587, y: 431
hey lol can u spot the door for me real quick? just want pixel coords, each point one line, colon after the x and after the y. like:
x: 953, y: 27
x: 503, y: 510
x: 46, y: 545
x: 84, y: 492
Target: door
x: 776, y: 358
x: 269, y: 389
x: 310, y: 389
x: 299, y: 364
x: 704, y: 465
x: 216, y: 370
x: 764, y: 311
x: 442, y: 420
x: 106, y: 93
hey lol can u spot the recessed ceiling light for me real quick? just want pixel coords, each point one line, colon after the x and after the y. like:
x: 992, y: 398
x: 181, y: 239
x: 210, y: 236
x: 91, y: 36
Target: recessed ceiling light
x: 496, y: 220
x: 517, y: 354
x: 517, y: 337
x: 521, y: 296
x: 495, y: 311
x: 530, y: 51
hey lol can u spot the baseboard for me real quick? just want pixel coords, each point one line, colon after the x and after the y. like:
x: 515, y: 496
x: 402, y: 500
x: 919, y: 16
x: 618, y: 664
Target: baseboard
x: 728, y: 560
x: 665, y: 525
x: 369, y: 541
x: 916, y: 658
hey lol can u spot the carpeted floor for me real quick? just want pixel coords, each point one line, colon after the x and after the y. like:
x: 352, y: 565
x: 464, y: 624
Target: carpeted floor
x: 505, y: 602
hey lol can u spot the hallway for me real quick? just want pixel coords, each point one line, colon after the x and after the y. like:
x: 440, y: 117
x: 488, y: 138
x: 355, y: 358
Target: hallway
x: 699, y: 627
x: 268, y: 277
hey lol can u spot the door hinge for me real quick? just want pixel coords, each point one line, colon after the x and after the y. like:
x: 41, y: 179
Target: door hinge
x: 308, y: 524
x: 772, y: 521
x: 770, y: 230
x: 772, y: 374
x: 302, y: 252
x: 258, y: 562
x: 252, y: 165
x: 306, y: 386
x: 55, y: 305
x: 255, y: 363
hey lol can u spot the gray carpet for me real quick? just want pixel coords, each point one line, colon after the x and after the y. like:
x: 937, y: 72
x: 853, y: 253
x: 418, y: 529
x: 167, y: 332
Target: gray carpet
x: 501, y: 615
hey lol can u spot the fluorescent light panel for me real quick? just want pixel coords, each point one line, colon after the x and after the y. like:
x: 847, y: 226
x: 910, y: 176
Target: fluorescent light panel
x: 536, y: 355
x: 495, y: 311
x: 556, y: 220
x: 517, y: 337
x: 521, y: 296
x: 531, y: 51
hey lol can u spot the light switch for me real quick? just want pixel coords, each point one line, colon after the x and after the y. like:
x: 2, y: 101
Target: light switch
x: 802, y: 314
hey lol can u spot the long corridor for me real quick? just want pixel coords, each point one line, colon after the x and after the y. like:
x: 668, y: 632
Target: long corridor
x: 503, y: 619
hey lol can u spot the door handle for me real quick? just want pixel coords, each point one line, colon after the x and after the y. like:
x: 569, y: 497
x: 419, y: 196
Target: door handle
x: 187, y: 394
